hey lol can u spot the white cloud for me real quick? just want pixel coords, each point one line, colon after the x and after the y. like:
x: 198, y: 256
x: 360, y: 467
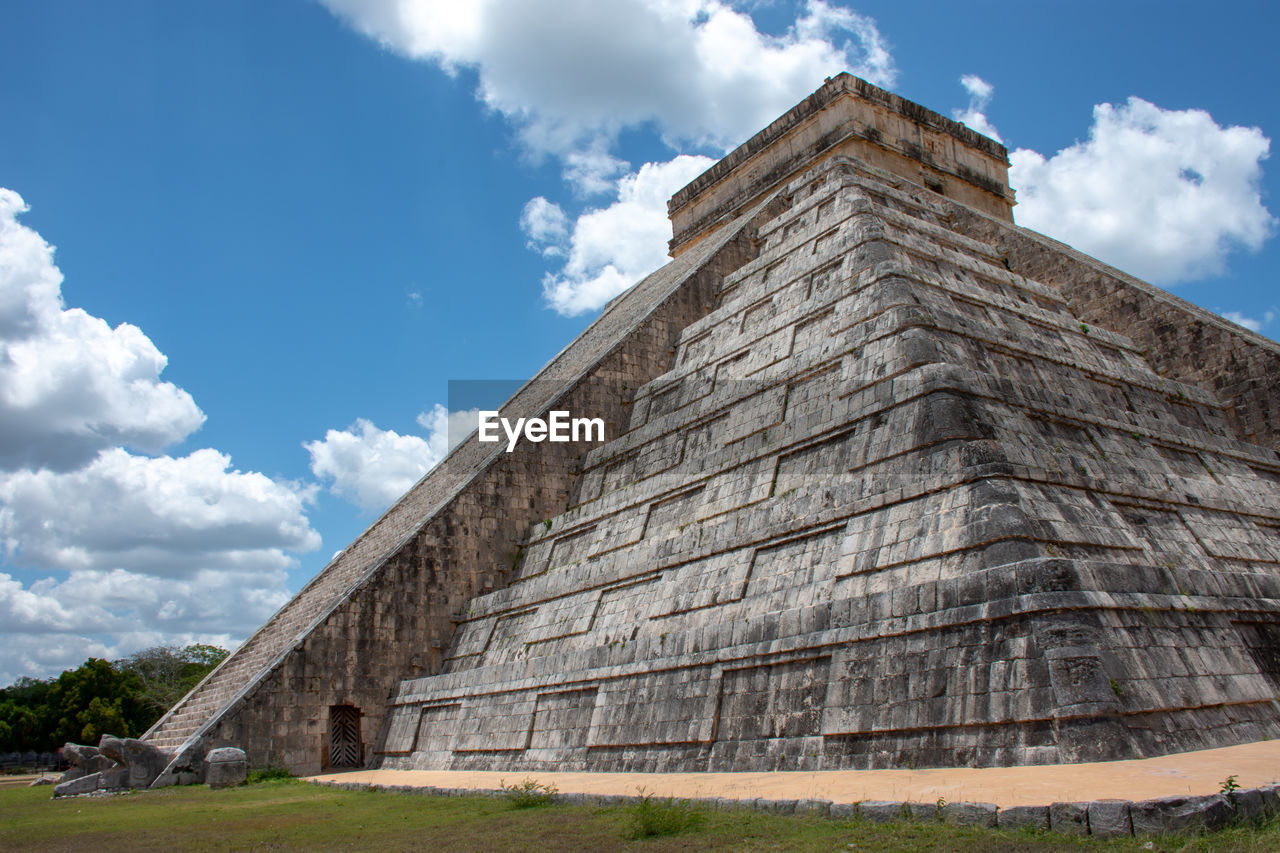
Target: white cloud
x: 974, y: 115
x: 446, y: 429
x: 119, y: 550
x: 70, y: 385
x: 1241, y: 320
x: 372, y: 467
x: 614, y: 247
x: 546, y: 226
x: 593, y: 170
x: 1163, y: 194
x: 1252, y: 323
x: 162, y: 516
x: 154, y: 550
x: 570, y: 73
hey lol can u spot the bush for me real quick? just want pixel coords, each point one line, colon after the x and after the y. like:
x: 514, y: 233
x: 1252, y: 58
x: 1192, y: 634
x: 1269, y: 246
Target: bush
x: 268, y: 774
x: 650, y: 818
x: 528, y: 793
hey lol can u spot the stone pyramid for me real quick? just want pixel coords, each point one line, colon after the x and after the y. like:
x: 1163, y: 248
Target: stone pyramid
x: 889, y: 481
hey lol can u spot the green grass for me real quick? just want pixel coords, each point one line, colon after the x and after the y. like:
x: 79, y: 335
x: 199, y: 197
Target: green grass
x: 285, y: 815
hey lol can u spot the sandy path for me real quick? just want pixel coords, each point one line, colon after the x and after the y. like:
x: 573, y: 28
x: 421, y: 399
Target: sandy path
x: 1200, y: 772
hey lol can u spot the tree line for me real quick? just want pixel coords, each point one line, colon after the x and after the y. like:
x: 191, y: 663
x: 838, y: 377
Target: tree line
x: 123, y: 697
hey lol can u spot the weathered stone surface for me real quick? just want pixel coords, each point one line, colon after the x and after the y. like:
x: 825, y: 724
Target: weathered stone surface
x: 186, y: 767
x: 970, y: 814
x: 84, y: 760
x: 841, y: 811
x: 1249, y: 804
x: 1109, y: 818
x: 116, y: 764
x: 874, y: 494
x: 1270, y: 800
x: 1069, y: 818
x: 883, y: 811
x: 924, y: 811
x: 814, y: 807
x: 225, y: 767
x: 79, y: 785
x: 1023, y: 817
x: 1180, y: 814
x: 144, y: 761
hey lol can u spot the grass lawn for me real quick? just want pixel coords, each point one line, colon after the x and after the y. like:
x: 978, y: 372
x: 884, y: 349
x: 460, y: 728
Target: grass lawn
x: 287, y: 815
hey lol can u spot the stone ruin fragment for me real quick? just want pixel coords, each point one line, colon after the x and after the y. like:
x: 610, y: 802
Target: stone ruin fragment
x: 121, y: 764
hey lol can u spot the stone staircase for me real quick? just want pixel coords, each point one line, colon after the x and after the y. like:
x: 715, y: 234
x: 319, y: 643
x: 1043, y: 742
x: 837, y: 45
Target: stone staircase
x: 263, y: 650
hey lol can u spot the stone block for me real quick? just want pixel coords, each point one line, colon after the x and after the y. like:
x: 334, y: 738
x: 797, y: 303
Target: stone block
x: 81, y: 785
x: 1110, y: 818
x: 970, y: 814
x: 841, y: 811
x: 821, y: 808
x: 1069, y: 818
x: 1270, y: 800
x: 1249, y: 804
x: 883, y: 811
x: 924, y: 811
x: 225, y: 767
x: 1023, y: 817
x: 1180, y: 814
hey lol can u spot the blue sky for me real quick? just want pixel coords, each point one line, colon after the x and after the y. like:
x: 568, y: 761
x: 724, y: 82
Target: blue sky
x: 282, y: 228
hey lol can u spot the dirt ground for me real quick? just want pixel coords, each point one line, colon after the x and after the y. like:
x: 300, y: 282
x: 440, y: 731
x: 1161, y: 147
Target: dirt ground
x: 1202, y: 772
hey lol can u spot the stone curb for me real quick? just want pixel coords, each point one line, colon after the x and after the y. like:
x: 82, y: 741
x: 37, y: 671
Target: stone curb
x: 1100, y: 818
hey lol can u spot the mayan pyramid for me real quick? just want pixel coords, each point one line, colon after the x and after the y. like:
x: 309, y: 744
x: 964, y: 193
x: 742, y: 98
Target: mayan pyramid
x: 889, y: 481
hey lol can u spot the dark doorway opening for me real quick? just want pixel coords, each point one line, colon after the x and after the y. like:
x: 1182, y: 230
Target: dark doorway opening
x: 345, y: 749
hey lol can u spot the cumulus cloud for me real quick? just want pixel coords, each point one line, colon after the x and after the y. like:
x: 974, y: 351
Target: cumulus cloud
x: 117, y: 550
x: 974, y: 115
x: 51, y: 626
x: 611, y: 248
x: 1163, y: 194
x: 1240, y: 319
x: 160, y: 516
x: 372, y: 467
x: 1253, y: 324
x: 546, y: 225
x: 70, y: 385
x: 153, y: 549
x: 569, y: 73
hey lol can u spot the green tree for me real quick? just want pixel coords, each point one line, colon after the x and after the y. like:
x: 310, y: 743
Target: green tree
x: 167, y: 673
x: 98, y: 697
x: 74, y: 717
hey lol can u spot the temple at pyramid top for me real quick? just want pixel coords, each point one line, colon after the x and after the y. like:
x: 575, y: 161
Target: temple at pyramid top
x: 847, y: 116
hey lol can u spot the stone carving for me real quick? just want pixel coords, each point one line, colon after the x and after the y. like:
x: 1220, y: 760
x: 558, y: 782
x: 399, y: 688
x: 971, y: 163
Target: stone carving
x: 118, y: 764
x: 115, y: 764
x: 225, y: 766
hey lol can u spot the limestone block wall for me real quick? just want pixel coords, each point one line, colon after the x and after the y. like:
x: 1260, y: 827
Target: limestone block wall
x: 892, y: 503
x: 1178, y: 339
x: 387, y: 606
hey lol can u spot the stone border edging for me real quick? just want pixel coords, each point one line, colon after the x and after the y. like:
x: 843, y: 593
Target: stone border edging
x: 1100, y: 818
